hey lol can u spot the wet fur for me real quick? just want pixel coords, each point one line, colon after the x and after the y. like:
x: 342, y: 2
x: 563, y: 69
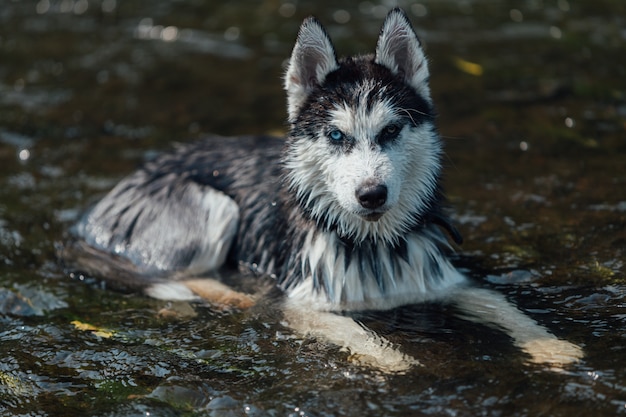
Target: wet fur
x: 346, y: 213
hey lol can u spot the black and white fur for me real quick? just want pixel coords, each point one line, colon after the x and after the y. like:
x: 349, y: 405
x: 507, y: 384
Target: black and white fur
x: 345, y: 213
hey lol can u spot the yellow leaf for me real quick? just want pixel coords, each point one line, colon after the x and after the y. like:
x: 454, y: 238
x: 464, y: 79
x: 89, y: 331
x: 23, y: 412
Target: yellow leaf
x: 86, y: 327
x: 468, y: 67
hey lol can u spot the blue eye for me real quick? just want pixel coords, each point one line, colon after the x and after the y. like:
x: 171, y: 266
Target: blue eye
x: 336, y: 135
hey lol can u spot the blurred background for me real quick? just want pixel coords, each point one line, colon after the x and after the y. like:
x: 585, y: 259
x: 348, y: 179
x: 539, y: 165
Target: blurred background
x: 531, y: 97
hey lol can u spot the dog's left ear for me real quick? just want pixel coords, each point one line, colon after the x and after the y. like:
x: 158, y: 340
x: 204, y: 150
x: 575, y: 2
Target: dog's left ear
x: 400, y: 50
x: 312, y: 59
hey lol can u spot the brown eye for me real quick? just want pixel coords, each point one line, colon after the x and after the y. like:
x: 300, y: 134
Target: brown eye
x: 391, y: 129
x: 389, y: 133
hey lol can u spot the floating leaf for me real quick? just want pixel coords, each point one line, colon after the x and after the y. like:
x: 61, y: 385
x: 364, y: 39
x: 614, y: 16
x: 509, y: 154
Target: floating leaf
x: 468, y: 67
x: 86, y: 327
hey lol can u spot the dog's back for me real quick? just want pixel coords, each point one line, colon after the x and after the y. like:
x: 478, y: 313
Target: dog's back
x: 181, y: 211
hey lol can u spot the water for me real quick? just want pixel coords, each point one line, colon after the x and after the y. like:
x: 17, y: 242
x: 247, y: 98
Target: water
x: 533, y: 111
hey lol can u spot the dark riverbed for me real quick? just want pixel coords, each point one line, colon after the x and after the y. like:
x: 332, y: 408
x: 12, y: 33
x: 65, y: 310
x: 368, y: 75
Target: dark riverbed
x: 532, y: 103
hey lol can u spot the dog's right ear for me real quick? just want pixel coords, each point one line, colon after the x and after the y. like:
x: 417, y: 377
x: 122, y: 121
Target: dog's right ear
x: 400, y: 50
x: 312, y: 59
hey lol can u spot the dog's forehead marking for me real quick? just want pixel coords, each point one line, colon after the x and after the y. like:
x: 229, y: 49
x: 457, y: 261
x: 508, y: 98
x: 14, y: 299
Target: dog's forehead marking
x: 367, y: 114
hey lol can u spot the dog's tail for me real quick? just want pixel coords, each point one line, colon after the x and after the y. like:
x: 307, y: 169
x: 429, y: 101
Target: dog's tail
x: 86, y: 263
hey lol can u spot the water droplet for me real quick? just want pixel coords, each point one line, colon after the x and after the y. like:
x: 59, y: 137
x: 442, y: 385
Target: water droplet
x: 169, y: 34
x: 419, y: 10
x: 341, y: 16
x: 24, y: 155
x: 287, y: 9
x: 19, y: 84
x: 81, y: 6
x: 232, y: 33
x: 516, y: 15
x: 555, y: 32
x: 108, y: 6
x: 42, y: 6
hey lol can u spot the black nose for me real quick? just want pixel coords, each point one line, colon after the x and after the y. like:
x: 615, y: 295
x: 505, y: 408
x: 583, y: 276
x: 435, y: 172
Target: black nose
x: 372, y: 195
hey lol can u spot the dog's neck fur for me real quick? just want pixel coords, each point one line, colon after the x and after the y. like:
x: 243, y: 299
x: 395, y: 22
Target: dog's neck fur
x: 333, y: 274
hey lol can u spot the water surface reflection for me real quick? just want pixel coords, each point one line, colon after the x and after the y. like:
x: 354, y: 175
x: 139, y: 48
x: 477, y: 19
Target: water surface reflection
x: 533, y: 112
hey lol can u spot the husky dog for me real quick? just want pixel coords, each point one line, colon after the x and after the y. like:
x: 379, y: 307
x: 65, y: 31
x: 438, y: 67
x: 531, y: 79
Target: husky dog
x: 346, y: 213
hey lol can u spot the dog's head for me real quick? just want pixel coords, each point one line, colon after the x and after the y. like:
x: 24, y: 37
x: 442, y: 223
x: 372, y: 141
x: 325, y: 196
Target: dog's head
x: 363, y: 154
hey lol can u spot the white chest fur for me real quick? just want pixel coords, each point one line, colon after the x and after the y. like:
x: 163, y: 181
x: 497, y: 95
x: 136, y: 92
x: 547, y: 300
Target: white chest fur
x: 337, y: 277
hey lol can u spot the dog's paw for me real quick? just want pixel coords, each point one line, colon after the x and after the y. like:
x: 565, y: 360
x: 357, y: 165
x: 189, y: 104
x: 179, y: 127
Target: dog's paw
x: 376, y: 352
x: 552, y: 351
x: 392, y: 361
x: 365, y: 347
x: 219, y: 294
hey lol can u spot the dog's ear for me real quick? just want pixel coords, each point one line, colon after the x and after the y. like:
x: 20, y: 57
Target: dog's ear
x: 312, y: 59
x: 400, y: 50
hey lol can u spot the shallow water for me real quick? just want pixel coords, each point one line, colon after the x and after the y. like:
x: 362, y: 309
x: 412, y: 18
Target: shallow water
x: 532, y: 104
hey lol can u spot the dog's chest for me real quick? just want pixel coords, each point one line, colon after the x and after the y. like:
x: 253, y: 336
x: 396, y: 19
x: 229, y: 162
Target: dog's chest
x: 335, y: 276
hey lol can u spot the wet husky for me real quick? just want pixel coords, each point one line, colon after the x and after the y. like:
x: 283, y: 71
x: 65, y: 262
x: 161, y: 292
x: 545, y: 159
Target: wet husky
x: 345, y: 214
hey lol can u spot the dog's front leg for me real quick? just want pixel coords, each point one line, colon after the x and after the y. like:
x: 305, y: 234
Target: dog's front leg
x: 365, y: 347
x: 489, y: 307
